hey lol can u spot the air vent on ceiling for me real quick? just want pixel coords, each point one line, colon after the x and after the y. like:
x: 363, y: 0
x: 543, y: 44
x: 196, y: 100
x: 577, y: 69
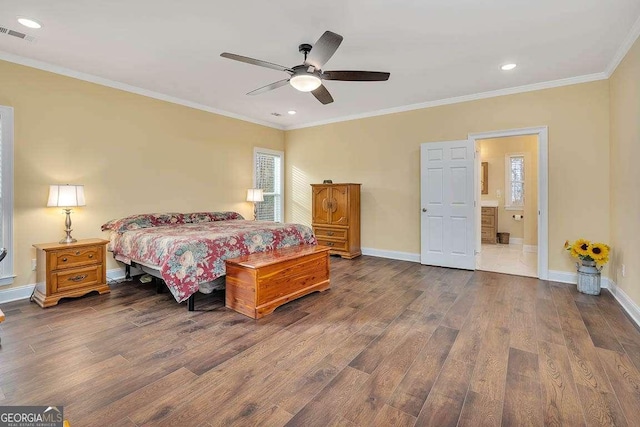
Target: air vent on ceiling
x: 9, y: 32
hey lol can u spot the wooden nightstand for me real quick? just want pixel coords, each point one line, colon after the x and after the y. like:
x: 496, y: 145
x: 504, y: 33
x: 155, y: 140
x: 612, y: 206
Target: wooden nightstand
x: 70, y: 270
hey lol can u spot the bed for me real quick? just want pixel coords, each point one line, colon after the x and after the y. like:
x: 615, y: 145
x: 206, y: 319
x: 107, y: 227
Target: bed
x: 188, y: 251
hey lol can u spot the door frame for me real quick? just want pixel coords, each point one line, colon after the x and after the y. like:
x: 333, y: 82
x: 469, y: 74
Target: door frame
x: 542, y: 132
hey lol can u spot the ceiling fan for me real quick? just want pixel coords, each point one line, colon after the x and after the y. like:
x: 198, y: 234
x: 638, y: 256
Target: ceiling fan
x: 308, y: 76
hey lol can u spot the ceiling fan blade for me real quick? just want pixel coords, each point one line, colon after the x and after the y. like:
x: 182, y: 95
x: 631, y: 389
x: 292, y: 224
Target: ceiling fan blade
x: 269, y: 87
x: 324, y: 49
x: 255, y: 62
x: 356, y: 76
x: 323, y: 95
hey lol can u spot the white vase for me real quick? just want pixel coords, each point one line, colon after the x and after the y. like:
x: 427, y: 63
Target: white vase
x: 588, y: 277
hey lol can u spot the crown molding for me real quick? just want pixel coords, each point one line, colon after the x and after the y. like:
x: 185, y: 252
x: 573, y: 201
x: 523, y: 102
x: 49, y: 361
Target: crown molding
x: 45, y: 66
x: 458, y: 99
x: 624, y: 48
x: 622, y: 51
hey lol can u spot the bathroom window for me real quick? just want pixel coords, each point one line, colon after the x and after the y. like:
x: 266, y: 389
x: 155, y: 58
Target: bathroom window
x: 514, y: 181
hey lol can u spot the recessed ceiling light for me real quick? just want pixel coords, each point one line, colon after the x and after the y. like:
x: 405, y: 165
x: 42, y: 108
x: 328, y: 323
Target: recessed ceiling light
x: 507, y: 67
x: 28, y: 22
x: 291, y: 112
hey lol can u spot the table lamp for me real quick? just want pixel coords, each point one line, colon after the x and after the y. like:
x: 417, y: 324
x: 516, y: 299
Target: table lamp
x: 255, y: 195
x: 66, y: 197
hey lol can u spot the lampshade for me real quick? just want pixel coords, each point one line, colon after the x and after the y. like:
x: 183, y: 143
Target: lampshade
x: 255, y: 195
x: 305, y: 82
x: 66, y: 195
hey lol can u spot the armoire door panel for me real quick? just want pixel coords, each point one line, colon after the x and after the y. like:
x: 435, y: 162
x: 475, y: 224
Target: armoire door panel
x: 339, y: 206
x: 321, y: 202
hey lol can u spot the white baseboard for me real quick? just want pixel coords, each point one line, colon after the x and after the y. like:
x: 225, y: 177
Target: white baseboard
x: 623, y: 299
x: 562, y: 277
x: 516, y: 240
x: 568, y: 277
x: 117, y: 274
x: 15, y: 294
x: 400, y: 256
x: 627, y: 303
x: 530, y: 248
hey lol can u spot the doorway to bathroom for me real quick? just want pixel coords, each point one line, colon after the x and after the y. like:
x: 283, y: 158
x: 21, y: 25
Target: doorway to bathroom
x: 509, y: 213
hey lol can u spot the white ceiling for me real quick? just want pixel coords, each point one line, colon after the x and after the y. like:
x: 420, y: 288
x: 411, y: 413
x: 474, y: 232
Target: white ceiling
x: 434, y: 49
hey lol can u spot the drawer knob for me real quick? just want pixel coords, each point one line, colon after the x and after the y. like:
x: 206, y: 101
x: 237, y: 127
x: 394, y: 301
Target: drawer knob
x: 90, y: 256
x: 77, y: 253
x: 78, y: 278
x: 329, y: 233
x: 64, y: 259
x: 329, y: 243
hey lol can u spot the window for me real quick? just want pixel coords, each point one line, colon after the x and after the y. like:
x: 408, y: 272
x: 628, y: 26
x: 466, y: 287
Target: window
x: 268, y: 168
x: 514, y: 181
x: 6, y: 193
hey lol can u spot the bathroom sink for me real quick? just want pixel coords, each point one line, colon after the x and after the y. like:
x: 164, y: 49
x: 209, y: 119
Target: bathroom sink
x: 489, y: 203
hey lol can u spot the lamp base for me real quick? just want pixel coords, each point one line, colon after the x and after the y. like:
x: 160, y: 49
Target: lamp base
x: 68, y: 229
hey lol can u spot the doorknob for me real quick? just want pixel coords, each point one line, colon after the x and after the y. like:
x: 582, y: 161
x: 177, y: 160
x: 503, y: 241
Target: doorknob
x: 424, y: 209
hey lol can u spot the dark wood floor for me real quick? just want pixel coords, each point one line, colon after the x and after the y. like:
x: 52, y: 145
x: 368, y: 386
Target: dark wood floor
x: 392, y: 343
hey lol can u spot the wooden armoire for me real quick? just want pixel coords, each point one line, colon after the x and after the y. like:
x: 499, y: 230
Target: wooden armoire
x: 336, y: 217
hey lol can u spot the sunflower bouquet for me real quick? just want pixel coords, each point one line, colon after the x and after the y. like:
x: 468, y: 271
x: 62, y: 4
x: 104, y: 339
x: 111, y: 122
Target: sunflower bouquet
x: 587, y: 251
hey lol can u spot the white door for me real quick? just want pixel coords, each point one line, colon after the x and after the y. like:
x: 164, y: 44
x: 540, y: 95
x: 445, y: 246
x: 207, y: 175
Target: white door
x: 447, y: 195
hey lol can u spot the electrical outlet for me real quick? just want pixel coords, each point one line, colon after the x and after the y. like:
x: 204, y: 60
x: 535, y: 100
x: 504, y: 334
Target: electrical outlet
x: 624, y: 270
x: 33, y: 264
x: 498, y: 194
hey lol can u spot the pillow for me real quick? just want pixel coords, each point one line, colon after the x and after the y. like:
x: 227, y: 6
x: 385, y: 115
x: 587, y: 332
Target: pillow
x: 197, y: 217
x: 138, y: 221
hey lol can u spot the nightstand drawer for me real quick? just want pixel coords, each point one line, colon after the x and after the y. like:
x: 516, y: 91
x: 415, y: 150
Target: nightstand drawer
x: 330, y: 233
x: 340, y: 245
x: 76, y: 278
x: 76, y: 257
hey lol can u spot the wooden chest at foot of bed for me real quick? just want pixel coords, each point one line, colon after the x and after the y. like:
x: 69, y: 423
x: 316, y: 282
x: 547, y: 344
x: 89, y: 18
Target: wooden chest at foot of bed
x: 259, y: 283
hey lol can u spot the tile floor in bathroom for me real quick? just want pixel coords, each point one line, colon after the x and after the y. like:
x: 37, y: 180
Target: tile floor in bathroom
x: 508, y: 259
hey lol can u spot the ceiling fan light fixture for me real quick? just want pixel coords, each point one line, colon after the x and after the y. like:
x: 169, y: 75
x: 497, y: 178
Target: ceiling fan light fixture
x: 305, y: 82
x: 308, y: 76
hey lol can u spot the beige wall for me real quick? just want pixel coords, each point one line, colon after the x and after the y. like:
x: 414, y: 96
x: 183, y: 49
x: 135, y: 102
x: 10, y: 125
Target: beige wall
x: 625, y: 174
x: 382, y: 153
x: 493, y: 151
x: 133, y: 154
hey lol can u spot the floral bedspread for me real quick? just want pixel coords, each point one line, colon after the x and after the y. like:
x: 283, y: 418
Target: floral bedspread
x: 189, y: 254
